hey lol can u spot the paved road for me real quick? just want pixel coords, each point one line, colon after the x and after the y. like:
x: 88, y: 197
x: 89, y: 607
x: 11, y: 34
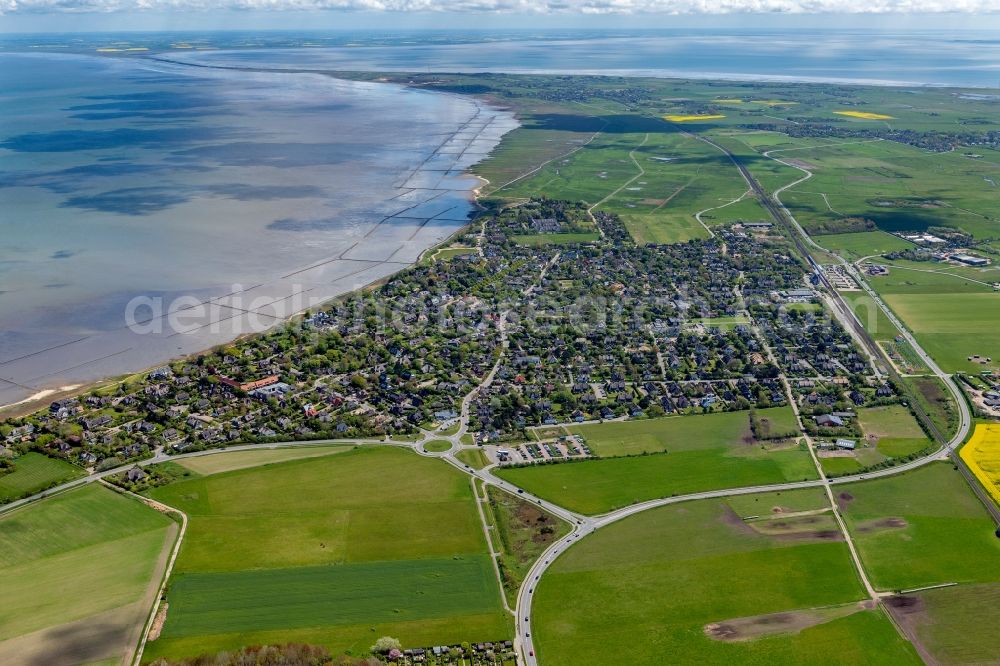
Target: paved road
x: 965, y: 415
x: 588, y: 525
x: 950, y: 448
x: 584, y: 525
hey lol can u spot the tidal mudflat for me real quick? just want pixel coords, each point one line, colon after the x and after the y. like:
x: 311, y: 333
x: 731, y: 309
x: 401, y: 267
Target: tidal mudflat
x: 202, y: 204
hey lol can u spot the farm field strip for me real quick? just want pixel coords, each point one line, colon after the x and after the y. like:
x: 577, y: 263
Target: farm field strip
x: 679, y: 433
x: 112, y: 545
x: 229, y: 461
x: 982, y: 454
x: 347, y: 594
x: 952, y: 625
x: 884, y: 182
x: 718, y: 569
x: 262, y: 541
x: 646, y: 179
x: 953, y: 327
x: 924, y: 527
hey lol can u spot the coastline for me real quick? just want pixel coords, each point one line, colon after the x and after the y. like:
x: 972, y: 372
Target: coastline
x: 283, y: 297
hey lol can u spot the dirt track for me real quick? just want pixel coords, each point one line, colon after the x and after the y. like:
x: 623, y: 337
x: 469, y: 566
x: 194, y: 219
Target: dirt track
x: 152, y: 590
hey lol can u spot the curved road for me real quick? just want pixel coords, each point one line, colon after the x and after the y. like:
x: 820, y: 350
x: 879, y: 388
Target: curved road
x: 583, y: 525
x: 588, y: 525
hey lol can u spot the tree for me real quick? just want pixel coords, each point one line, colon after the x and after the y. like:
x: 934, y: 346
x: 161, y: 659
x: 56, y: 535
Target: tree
x: 385, y: 644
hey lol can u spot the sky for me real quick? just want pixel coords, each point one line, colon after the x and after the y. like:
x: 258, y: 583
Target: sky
x: 101, y: 15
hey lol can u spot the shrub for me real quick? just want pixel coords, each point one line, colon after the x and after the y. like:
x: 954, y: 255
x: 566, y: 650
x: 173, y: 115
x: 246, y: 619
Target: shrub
x: 385, y: 644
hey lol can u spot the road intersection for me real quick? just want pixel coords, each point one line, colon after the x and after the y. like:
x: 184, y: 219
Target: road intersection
x: 583, y: 525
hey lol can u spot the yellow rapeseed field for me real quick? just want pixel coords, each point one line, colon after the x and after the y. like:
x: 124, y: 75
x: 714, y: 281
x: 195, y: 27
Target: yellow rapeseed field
x: 982, y: 455
x: 688, y: 119
x: 864, y: 114
x: 728, y: 101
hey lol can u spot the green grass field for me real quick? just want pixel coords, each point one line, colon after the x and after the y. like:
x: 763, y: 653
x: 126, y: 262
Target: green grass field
x: 936, y: 400
x: 953, y: 312
x: 896, y: 428
x: 523, y: 149
x: 952, y: 327
x: 722, y: 323
x: 889, y: 421
x: 599, y: 486
x: 748, y: 146
x: 957, y: 625
x: 680, y: 433
x: 856, y: 245
x: 34, y: 472
x: 474, y: 458
x: 437, y: 446
x: 392, y: 537
x: 916, y: 277
x: 897, y: 186
x: 840, y: 466
x: 446, y: 253
x: 871, y: 316
x: 537, y: 240
x: 923, y: 527
x: 76, y: 571
x: 690, y: 453
x: 656, y: 181
x: 779, y: 501
x: 641, y: 591
x: 228, y: 461
x: 358, y: 593
x: 899, y: 447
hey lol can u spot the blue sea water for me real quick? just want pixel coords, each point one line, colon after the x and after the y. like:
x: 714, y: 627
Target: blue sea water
x: 870, y: 57
x: 126, y: 178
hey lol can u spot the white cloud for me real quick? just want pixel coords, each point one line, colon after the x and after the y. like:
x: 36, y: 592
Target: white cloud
x: 515, y: 6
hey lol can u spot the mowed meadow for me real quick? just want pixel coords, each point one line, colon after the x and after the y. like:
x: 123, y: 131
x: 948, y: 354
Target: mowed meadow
x: 687, y: 454
x: 335, y: 550
x: 923, y: 527
x: 34, y: 472
x: 80, y: 571
x: 927, y: 528
x: 896, y: 186
x: 653, y: 175
x: 953, y: 312
x: 701, y: 582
